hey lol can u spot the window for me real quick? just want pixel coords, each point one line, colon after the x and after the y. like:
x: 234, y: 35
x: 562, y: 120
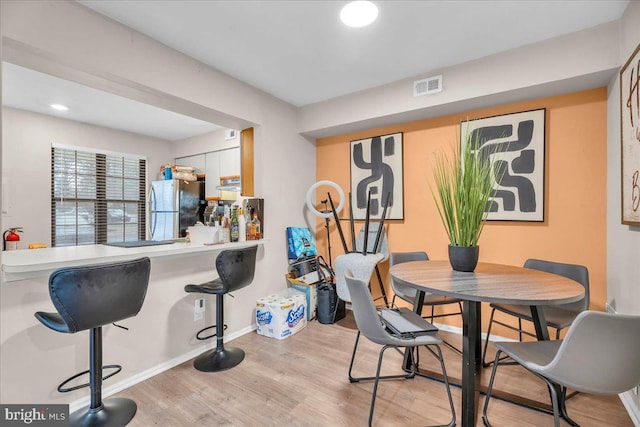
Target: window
x: 96, y: 197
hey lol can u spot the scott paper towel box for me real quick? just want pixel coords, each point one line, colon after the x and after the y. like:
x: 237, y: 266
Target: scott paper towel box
x: 281, y: 315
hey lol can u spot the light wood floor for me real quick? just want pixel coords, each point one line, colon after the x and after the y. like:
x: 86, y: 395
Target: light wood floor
x: 302, y: 381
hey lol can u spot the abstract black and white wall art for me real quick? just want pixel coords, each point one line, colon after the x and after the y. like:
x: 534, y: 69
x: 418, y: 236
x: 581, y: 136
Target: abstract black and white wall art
x: 514, y: 144
x: 630, y: 135
x: 376, y: 167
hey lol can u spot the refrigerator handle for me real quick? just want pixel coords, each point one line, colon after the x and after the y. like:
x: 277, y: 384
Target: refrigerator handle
x: 152, y: 212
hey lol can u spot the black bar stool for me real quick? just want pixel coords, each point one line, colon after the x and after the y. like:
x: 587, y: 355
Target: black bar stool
x: 89, y: 297
x: 236, y: 268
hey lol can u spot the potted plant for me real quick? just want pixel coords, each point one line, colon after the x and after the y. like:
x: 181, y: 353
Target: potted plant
x: 463, y: 184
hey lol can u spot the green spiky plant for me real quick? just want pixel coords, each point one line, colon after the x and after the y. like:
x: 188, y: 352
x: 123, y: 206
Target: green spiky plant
x: 463, y: 185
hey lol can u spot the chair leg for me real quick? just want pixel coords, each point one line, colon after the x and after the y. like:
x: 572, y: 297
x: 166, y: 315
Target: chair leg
x: 377, y: 380
x: 382, y: 291
x: 220, y: 358
x: 554, y: 401
x: 496, y: 362
x: 486, y: 343
x: 557, y: 401
x: 353, y: 379
x: 563, y: 408
x: 116, y: 411
x: 447, y: 343
x: 447, y: 386
x: 353, y: 357
x: 452, y: 347
x: 520, y: 329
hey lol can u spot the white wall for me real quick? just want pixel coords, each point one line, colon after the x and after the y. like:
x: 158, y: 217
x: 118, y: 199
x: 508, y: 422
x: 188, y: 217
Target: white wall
x: 26, y: 163
x: 73, y: 42
x: 623, y: 241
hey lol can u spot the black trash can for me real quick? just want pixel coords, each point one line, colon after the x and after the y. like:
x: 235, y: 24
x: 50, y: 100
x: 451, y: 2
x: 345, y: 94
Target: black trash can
x: 330, y: 307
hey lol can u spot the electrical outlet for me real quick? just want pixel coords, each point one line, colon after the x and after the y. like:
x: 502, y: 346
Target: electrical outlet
x: 198, y: 309
x: 636, y: 390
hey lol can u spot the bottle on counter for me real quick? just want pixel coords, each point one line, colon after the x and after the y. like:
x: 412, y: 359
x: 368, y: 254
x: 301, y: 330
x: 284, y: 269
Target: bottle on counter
x: 248, y: 219
x: 235, y: 225
x: 255, y: 227
x: 216, y: 232
x: 225, y: 224
x: 242, y: 225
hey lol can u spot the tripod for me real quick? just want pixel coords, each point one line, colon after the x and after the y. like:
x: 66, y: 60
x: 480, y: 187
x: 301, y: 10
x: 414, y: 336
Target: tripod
x: 326, y: 226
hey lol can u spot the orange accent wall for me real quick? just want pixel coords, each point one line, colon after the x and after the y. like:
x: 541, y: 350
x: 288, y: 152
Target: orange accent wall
x: 574, y: 229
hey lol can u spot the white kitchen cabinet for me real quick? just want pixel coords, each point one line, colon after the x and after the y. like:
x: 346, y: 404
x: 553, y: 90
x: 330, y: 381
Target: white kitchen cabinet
x: 214, y: 165
x: 197, y: 161
x: 212, y: 179
x: 220, y: 163
x: 230, y: 161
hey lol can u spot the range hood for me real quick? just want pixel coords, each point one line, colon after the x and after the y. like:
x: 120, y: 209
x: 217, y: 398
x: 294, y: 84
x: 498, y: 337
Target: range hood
x: 229, y: 183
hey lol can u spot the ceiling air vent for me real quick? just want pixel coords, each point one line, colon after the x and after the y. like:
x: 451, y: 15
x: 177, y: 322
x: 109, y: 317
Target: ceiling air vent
x: 427, y: 86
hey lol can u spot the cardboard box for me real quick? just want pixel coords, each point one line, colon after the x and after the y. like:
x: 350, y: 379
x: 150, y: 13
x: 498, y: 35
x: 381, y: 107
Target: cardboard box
x: 281, y: 315
x: 310, y: 291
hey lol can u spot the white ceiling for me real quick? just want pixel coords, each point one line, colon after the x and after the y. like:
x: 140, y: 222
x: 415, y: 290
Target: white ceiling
x: 300, y: 52
x: 31, y: 90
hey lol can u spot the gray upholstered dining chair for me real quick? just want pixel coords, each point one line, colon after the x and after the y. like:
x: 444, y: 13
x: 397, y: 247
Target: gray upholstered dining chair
x: 370, y: 325
x: 557, y: 316
x: 599, y: 355
x: 362, y: 267
x: 383, y: 249
x: 408, y: 293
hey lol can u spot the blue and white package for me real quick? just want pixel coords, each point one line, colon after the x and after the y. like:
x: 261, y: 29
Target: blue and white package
x: 300, y: 243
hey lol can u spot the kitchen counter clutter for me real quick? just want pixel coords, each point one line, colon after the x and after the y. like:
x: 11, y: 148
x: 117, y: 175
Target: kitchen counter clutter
x: 30, y: 263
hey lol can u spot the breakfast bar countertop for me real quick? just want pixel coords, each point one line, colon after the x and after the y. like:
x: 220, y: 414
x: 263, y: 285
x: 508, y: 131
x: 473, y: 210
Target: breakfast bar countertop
x: 30, y: 263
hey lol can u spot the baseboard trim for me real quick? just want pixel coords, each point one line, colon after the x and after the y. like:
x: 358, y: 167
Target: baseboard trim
x: 151, y: 372
x: 629, y: 402
x: 458, y: 330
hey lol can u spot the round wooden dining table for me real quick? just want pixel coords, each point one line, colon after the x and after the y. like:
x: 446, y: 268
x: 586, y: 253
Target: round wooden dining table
x: 492, y: 283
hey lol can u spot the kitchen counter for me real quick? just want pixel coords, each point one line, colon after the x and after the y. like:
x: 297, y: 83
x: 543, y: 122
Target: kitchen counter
x: 30, y: 263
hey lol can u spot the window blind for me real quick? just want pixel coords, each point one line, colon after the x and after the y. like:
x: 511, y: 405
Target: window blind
x: 96, y: 197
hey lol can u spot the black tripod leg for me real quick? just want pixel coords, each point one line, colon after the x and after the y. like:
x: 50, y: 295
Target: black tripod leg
x: 335, y: 217
x: 384, y: 293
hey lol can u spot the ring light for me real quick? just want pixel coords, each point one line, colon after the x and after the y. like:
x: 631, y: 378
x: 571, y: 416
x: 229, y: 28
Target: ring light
x: 313, y: 188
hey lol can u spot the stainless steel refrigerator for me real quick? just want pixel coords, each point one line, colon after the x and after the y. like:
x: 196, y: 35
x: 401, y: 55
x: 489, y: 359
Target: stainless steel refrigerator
x: 174, y: 205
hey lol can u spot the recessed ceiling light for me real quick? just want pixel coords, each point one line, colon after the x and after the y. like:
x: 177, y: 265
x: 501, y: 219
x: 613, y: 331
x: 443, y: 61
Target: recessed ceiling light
x: 359, y: 13
x: 59, y: 107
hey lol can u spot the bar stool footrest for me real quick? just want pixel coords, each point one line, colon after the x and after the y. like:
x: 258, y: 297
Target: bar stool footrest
x: 61, y: 388
x: 198, y: 337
